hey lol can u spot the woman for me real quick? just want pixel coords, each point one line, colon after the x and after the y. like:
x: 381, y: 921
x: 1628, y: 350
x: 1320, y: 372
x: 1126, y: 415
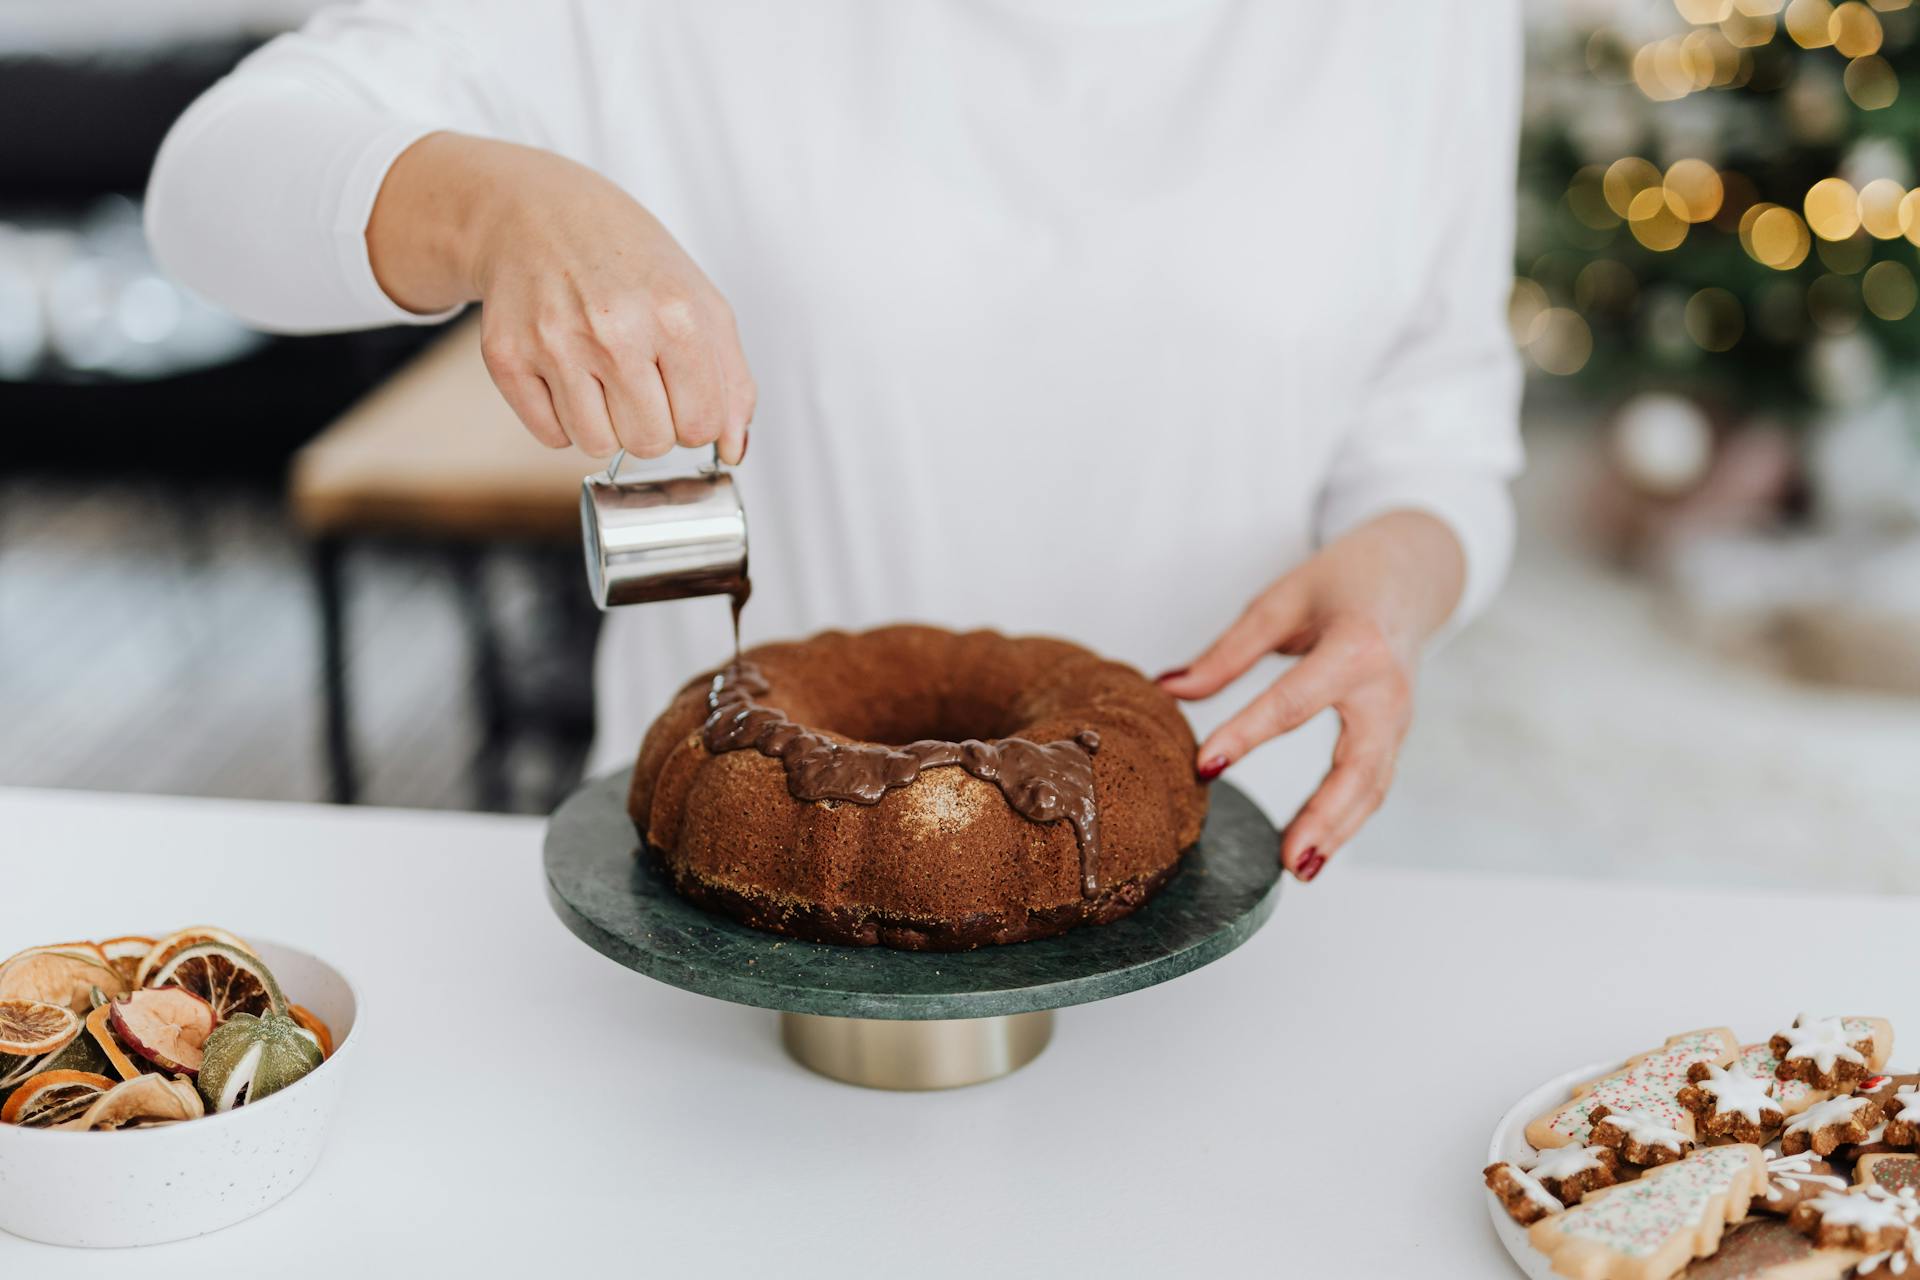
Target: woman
x: 1090, y: 317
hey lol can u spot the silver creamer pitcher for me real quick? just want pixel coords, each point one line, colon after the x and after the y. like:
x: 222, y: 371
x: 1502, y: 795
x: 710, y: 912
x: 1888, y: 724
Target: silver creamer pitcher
x: 651, y: 538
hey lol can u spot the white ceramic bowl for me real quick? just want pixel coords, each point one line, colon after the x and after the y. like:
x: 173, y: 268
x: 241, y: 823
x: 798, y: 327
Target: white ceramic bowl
x: 145, y: 1186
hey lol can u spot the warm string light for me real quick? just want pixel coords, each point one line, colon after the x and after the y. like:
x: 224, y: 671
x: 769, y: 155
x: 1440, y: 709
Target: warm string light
x: 1717, y: 52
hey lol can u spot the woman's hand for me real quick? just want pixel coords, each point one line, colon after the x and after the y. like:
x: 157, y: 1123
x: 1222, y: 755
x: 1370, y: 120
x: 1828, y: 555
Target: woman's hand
x: 597, y: 327
x: 1356, y: 615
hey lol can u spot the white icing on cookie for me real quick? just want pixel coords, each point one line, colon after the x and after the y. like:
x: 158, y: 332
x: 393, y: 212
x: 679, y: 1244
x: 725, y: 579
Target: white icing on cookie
x: 1908, y: 1100
x: 1646, y: 1129
x: 1531, y: 1188
x: 1564, y: 1162
x: 1737, y: 1091
x: 1787, y: 1173
x: 1635, y: 1219
x: 1822, y: 1039
x: 1822, y: 1114
x: 1862, y: 1208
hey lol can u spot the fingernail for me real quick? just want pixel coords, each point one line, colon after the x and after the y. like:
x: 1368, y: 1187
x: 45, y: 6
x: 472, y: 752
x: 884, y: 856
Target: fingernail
x: 1310, y: 864
x: 1174, y: 674
x: 746, y: 438
x: 1212, y: 767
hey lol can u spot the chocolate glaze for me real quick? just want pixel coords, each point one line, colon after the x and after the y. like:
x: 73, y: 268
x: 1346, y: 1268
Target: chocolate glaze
x: 1043, y: 782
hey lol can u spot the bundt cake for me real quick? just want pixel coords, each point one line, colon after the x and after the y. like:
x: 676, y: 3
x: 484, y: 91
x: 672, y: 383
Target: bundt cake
x: 919, y: 788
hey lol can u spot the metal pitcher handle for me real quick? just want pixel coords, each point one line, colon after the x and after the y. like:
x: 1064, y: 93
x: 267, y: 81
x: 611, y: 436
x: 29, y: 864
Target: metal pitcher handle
x: 612, y: 474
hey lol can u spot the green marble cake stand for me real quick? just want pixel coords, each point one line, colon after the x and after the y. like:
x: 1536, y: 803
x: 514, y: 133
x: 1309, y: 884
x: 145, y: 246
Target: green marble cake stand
x: 905, y: 1019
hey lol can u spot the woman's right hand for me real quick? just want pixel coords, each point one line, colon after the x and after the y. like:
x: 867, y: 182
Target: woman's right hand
x: 597, y: 327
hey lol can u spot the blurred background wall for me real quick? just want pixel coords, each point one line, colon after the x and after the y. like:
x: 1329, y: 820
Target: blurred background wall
x: 1708, y: 657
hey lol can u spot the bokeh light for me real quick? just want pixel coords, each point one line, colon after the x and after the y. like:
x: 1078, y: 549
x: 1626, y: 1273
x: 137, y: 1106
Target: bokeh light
x: 1807, y: 22
x: 1714, y: 319
x: 1833, y: 208
x: 1587, y: 199
x: 1562, y: 343
x: 1749, y: 31
x: 1605, y: 286
x: 1871, y: 83
x: 1527, y: 303
x: 1654, y: 222
x: 1757, y: 8
x: 1848, y: 257
x: 1880, y: 202
x: 1834, y: 303
x: 1776, y: 237
x: 1889, y: 290
x: 1702, y: 12
x: 1626, y: 178
x: 1693, y: 189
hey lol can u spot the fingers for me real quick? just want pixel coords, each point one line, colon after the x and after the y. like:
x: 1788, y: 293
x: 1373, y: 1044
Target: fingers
x: 1372, y: 727
x: 582, y: 406
x: 530, y: 400
x: 1309, y: 687
x: 637, y: 405
x: 742, y: 398
x: 1267, y: 625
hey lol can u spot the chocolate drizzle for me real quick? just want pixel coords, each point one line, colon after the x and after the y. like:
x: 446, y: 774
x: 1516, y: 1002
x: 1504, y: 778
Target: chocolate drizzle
x: 1043, y: 782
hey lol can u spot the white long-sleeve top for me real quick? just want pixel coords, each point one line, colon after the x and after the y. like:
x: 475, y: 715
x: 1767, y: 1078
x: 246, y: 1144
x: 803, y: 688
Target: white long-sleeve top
x: 1083, y: 317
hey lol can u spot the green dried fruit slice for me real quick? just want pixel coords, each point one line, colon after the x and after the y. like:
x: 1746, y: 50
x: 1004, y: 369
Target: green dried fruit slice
x: 231, y: 980
x: 247, y: 1058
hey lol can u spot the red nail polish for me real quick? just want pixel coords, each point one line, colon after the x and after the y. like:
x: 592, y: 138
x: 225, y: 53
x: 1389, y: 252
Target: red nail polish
x: 1310, y: 864
x: 1174, y: 674
x: 1212, y: 767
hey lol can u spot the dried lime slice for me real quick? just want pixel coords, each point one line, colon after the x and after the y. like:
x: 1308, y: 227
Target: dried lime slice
x: 29, y: 1028
x: 174, y: 943
x: 140, y: 1102
x: 61, y: 974
x: 53, y: 1097
x: 247, y: 1058
x: 231, y: 980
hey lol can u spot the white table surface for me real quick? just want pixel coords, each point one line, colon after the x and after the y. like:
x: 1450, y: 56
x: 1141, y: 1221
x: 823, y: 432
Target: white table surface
x: 1317, y: 1103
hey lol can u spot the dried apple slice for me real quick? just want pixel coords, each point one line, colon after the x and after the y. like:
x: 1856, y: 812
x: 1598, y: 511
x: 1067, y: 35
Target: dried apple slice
x: 311, y: 1023
x: 174, y: 943
x: 249, y: 1058
x: 100, y: 1029
x: 61, y: 974
x: 166, y: 1025
x: 53, y: 1097
x: 231, y: 980
x: 34, y: 1027
x: 125, y: 955
x: 141, y: 1102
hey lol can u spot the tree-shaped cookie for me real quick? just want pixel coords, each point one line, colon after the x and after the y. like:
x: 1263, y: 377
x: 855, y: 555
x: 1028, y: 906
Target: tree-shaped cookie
x: 1648, y: 1083
x: 1649, y: 1229
x: 1769, y: 1249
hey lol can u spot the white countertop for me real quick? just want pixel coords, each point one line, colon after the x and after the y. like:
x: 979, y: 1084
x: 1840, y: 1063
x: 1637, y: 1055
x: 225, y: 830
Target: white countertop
x: 1318, y: 1102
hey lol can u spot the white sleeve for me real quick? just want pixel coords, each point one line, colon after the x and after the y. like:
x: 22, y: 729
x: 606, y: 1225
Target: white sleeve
x: 262, y: 190
x: 1439, y: 430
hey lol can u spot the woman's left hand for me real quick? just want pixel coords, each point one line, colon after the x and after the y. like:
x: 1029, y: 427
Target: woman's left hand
x: 1356, y: 615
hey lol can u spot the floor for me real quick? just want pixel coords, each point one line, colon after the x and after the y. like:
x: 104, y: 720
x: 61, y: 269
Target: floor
x: 160, y: 643
x: 148, y: 644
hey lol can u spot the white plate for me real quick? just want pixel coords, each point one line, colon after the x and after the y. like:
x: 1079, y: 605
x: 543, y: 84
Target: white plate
x: 146, y: 1186
x: 1510, y: 1144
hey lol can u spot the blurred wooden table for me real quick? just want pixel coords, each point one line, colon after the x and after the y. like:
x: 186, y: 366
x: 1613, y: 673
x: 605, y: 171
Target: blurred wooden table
x: 435, y: 457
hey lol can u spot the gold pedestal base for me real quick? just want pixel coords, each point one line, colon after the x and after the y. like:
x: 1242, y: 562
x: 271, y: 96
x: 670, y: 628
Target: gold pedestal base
x: 881, y: 1053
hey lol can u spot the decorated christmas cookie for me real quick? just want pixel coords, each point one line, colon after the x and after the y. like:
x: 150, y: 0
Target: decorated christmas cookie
x: 1900, y: 1106
x: 1870, y: 1219
x: 1895, y: 1173
x: 1791, y: 1179
x: 1769, y: 1249
x: 1726, y: 1102
x: 1826, y: 1126
x: 1637, y: 1137
x: 1649, y: 1229
x: 1792, y: 1096
x: 1569, y: 1173
x: 1875, y: 1143
x: 1832, y: 1053
x: 1648, y: 1083
x: 1525, y: 1199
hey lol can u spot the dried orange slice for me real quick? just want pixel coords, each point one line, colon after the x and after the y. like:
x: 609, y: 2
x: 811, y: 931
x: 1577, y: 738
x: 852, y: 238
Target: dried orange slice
x: 125, y: 955
x: 174, y: 943
x: 29, y: 1027
x: 53, y: 1097
x: 100, y: 1027
x: 229, y: 979
x: 64, y: 974
x: 310, y: 1022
